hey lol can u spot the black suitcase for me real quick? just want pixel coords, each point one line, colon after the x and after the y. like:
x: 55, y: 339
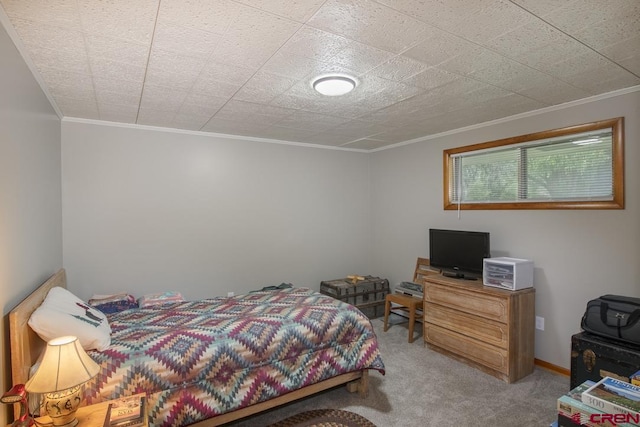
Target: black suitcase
x: 594, y: 357
x: 613, y: 316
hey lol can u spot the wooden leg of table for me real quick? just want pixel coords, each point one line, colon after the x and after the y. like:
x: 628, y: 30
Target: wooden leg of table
x: 412, y: 320
x: 387, y: 309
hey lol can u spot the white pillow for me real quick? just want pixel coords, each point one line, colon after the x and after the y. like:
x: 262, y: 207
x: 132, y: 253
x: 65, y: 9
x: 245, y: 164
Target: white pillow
x: 62, y: 313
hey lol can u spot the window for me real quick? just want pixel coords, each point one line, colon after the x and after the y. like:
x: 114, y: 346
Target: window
x: 579, y: 167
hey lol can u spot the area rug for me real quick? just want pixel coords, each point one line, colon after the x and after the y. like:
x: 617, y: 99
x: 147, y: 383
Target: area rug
x: 325, y: 418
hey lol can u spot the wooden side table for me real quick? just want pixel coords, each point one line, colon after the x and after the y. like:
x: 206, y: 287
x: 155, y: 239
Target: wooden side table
x: 88, y: 416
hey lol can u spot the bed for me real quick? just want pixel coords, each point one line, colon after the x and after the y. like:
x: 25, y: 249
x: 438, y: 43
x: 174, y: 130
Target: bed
x: 213, y: 361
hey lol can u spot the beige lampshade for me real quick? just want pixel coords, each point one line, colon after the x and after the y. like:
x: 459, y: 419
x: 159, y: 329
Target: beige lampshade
x: 64, y: 364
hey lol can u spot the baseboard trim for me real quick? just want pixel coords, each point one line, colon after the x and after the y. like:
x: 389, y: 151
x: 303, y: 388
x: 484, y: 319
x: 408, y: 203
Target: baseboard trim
x: 551, y: 367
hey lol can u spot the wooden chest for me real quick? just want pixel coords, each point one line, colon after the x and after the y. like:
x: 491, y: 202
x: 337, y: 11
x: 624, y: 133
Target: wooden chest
x: 367, y: 295
x: 594, y: 357
x: 488, y: 328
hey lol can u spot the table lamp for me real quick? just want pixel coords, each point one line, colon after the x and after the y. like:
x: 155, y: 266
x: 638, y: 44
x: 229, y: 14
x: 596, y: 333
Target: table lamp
x: 64, y: 369
x: 19, y: 394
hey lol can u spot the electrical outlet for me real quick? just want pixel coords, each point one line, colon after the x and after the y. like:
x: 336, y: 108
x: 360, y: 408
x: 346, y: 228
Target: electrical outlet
x: 230, y: 294
x: 540, y: 323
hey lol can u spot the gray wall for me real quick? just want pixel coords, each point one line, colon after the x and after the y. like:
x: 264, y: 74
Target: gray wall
x: 578, y: 255
x: 148, y: 210
x: 30, y: 191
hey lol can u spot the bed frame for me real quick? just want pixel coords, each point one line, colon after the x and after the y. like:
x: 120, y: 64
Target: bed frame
x: 26, y: 347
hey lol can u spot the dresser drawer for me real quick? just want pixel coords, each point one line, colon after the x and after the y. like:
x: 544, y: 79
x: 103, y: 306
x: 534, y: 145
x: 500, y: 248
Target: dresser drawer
x: 481, y: 329
x: 487, y: 355
x: 491, y: 307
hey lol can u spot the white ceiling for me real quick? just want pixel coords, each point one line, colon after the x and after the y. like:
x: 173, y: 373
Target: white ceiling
x: 244, y: 67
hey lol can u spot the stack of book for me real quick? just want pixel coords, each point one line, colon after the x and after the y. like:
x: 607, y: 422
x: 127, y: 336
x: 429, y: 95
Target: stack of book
x: 127, y: 412
x: 609, y: 402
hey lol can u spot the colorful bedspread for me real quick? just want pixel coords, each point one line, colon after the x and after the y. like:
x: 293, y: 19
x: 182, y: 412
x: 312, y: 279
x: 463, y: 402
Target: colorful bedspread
x: 203, y: 358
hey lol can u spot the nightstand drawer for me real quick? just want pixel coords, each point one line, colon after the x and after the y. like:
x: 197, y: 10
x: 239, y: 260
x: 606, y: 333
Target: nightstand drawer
x: 480, y: 304
x: 488, y: 331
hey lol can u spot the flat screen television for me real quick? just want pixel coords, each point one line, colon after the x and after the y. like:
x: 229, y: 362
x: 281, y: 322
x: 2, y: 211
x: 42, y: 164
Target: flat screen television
x: 459, y: 253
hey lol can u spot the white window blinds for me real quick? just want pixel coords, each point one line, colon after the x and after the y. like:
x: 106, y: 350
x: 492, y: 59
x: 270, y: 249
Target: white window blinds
x: 575, y: 167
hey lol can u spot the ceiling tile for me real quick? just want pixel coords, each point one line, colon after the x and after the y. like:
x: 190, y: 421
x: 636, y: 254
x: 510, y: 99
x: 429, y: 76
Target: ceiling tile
x: 291, y: 66
x: 360, y: 57
x: 118, y: 113
x: 151, y: 117
x: 161, y: 98
x: 554, y: 92
x: 399, y: 68
x: 370, y: 23
x: 366, y: 144
x: 577, y: 16
x: 206, y: 86
x: 311, y: 121
x: 468, y: 64
x: 40, y: 35
x: 173, y: 70
x: 128, y: 20
x: 519, y: 42
x: 200, y: 15
x: 315, y: 44
x: 543, y: 7
x: 118, y: 98
x: 203, y: 102
x: 126, y: 88
x: 286, y: 134
x: 448, y: 15
x: 610, y: 32
x: 185, y: 41
x: 299, y: 10
x: 263, y: 87
x: 329, y: 138
x: 81, y: 90
x: 61, y: 13
x: 226, y: 73
x: 105, y: 68
x: 234, y: 127
x: 439, y: 47
x: 191, y: 120
x: 248, y: 109
x: 432, y: 77
x: 61, y: 59
x: 493, y: 20
x: 118, y: 50
x: 359, y: 128
x: 253, y: 37
x: 54, y: 77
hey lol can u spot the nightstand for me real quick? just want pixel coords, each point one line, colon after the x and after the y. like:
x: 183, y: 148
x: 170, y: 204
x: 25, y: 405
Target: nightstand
x: 88, y: 416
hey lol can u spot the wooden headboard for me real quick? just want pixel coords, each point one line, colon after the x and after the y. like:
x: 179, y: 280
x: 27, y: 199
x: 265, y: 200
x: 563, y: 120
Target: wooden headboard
x: 26, y: 345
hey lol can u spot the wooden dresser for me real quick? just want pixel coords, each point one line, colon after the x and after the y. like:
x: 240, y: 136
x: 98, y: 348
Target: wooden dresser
x: 488, y: 328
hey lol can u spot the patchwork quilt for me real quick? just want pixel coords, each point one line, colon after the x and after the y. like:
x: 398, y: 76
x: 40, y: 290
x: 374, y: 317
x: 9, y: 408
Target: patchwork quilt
x: 199, y: 359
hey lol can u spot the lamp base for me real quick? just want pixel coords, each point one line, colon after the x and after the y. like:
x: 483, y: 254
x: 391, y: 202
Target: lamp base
x: 61, y: 406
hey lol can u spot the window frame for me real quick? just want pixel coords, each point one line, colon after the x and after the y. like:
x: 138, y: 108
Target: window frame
x: 617, y: 136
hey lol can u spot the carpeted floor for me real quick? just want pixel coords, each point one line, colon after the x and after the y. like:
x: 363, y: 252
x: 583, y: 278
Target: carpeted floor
x: 423, y: 388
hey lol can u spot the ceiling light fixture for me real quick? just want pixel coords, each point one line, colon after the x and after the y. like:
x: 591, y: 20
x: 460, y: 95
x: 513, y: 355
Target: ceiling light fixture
x: 334, y: 85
